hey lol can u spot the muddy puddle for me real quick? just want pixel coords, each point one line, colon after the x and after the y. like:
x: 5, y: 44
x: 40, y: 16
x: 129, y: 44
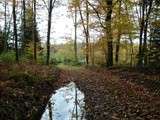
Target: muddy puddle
x: 67, y: 103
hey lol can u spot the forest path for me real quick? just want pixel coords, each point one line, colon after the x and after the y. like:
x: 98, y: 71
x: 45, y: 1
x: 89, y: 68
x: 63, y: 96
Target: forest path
x: 108, y: 97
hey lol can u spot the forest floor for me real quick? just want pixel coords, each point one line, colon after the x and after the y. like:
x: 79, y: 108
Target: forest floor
x: 25, y: 90
x: 116, y: 94
x: 110, y: 94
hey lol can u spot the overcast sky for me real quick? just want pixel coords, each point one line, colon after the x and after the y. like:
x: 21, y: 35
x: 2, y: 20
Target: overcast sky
x: 62, y: 24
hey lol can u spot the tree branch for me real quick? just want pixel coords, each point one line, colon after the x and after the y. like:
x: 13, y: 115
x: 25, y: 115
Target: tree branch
x: 53, y: 4
x: 80, y: 11
x: 97, y: 14
x: 45, y: 4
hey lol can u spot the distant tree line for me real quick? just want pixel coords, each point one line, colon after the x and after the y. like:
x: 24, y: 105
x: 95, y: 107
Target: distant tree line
x: 120, y: 23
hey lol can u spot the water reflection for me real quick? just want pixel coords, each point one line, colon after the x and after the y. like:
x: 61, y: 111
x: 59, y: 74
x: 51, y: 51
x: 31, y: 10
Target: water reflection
x: 66, y: 104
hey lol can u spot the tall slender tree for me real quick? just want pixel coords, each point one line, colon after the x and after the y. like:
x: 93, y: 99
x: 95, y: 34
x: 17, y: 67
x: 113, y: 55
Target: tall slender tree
x: 86, y: 28
x: 107, y: 28
x: 108, y: 21
x: 87, y: 33
x: 75, y: 32
x: 148, y: 12
x: 15, y: 30
x: 34, y: 30
x: 5, y: 25
x: 50, y: 7
x: 142, y: 11
x: 145, y: 10
x: 23, y: 24
x: 119, y: 33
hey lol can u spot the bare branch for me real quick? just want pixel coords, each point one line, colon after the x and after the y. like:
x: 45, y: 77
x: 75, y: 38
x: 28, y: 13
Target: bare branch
x: 97, y: 14
x: 45, y: 4
x: 53, y: 3
x: 80, y: 11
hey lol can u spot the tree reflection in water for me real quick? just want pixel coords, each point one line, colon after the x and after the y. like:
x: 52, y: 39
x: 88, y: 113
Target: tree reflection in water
x: 66, y: 104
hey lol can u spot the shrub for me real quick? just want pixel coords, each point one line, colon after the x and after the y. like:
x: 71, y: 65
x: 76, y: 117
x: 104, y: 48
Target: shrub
x: 8, y: 57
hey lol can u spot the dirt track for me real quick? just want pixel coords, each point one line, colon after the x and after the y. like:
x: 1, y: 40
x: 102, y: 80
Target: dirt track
x: 108, y: 97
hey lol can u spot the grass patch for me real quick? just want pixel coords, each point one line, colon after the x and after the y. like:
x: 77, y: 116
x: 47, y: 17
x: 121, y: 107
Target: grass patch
x: 7, y: 57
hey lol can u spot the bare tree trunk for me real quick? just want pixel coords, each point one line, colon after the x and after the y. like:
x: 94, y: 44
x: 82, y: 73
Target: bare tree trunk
x: 145, y: 43
x: 140, y: 60
x: 92, y: 55
x: 145, y: 32
x: 24, y: 17
x: 34, y: 30
x: 48, y: 38
x: 5, y: 26
x: 75, y: 35
x: 117, y: 49
x: 24, y: 25
x: 86, y: 29
x: 50, y: 9
x: 15, y: 30
x: 132, y: 50
x: 108, y: 21
x: 87, y: 33
x: 119, y: 35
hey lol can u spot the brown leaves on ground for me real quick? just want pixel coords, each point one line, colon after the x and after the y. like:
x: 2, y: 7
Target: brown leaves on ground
x: 109, y: 94
x: 25, y: 90
x: 109, y: 97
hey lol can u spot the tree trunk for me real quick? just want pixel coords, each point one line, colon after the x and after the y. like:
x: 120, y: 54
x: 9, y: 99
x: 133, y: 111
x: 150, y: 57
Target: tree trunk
x: 92, y: 54
x: 34, y: 30
x: 131, y: 49
x: 145, y: 43
x: 143, y: 32
x: 75, y: 35
x: 5, y: 27
x: 119, y: 35
x: 145, y: 57
x: 87, y: 33
x: 15, y: 30
x: 108, y: 20
x: 140, y: 60
x: 49, y: 30
x: 24, y: 25
x: 86, y: 30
